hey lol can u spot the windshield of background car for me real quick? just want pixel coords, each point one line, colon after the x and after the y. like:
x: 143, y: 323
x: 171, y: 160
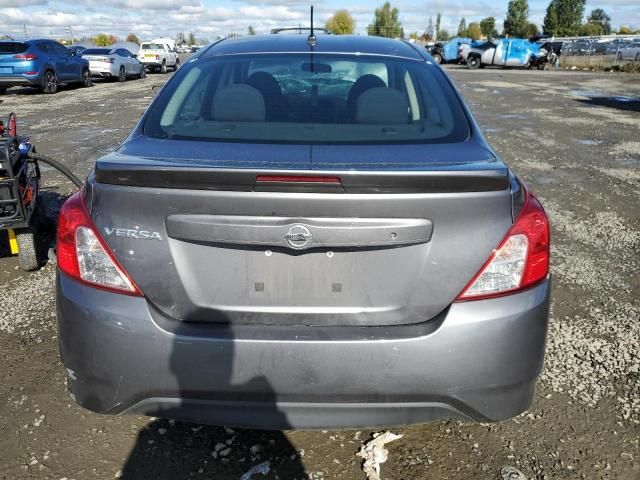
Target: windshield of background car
x: 304, y: 98
x: 152, y: 46
x: 13, y: 47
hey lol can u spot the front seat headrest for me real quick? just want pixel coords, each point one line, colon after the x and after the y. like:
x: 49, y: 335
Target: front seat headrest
x: 385, y: 106
x: 238, y: 103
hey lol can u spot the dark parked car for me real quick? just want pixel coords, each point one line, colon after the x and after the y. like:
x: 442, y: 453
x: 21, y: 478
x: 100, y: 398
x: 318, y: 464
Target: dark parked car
x: 304, y: 236
x: 40, y: 63
x: 77, y: 49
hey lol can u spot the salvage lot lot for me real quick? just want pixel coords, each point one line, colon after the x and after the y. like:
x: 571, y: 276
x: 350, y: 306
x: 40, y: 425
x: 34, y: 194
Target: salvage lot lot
x: 574, y: 137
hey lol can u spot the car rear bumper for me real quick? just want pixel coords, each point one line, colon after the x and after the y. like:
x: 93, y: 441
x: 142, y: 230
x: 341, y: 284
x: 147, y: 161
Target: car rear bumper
x: 106, y: 70
x: 19, y: 80
x: 477, y: 360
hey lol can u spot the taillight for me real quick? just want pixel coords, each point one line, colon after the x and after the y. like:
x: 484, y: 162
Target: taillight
x: 520, y: 261
x: 157, y: 57
x: 25, y: 56
x: 297, y: 179
x: 82, y: 253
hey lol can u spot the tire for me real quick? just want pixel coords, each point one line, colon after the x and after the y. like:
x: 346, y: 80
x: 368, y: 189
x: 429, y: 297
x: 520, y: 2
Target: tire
x: 438, y: 58
x: 177, y: 65
x: 143, y: 72
x: 49, y: 82
x: 163, y: 67
x: 473, y: 63
x: 122, y: 75
x: 3, y: 90
x: 27, y: 251
x: 619, y: 56
x: 86, y: 78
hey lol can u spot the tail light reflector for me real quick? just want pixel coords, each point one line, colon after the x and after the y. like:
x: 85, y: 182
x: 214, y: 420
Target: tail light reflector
x: 84, y: 256
x: 520, y: 261
x: 25, y: 56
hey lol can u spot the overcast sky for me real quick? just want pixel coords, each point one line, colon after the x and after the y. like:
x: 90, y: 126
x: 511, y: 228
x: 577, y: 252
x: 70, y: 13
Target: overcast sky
x: 210, y: 18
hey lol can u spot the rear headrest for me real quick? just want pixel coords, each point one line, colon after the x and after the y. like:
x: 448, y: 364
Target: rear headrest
x: 238, y: 103
x: 382, y: 105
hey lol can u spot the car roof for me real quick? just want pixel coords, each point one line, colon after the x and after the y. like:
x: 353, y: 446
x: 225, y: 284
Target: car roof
x: 324, y: 44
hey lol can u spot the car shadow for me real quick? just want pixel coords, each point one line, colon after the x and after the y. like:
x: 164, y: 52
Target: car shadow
x: 617, y: 102
x: 202, y: 374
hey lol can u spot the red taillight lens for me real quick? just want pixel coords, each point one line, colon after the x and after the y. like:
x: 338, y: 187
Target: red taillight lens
x: 520, y: 261
x: 297, y: 179
x: 83, y: 254
x: 25, y: 56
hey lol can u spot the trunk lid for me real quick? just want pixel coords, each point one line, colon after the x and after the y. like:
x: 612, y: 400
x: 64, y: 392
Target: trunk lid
x: 393, y: 242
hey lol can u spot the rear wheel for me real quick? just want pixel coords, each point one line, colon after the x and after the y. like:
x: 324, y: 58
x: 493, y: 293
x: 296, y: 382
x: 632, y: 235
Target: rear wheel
x: 473, y: 62
x: 619, y: 56
x: 163, y: 67
x: 49, y: 82
x: 27, y: 251
x: 143, y: 72
x: 438, y: 58
x: 122, y: 75
x: 86, y: 78
x: 177, y: 65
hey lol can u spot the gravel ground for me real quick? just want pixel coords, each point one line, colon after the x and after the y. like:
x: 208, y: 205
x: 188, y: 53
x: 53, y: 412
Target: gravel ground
x: 572, y: 136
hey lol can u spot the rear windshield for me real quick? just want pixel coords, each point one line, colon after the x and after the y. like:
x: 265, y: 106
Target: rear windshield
x: 13, y: 47
x: 152, y: 46
x: 304, y: 98
x: 96, y: 51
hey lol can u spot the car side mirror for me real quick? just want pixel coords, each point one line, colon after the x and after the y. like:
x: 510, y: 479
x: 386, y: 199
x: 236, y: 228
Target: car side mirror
x: 134, y: 55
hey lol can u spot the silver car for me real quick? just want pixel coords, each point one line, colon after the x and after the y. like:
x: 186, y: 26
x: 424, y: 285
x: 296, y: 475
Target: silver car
x: 115, y: 63
x: 630, y: 51
x: 304, y: 233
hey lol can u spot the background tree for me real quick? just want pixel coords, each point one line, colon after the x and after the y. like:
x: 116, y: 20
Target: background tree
x: 444, y: 35
x: 438, y: 21
x: 600, y: 18
x: 429, y: 32
x: 532, y: 30
x: 386, y: 23
x: 462, y: 28
x: 517, y: 19
x: 111, y: 39
x: 474, y: 31
x: 251, y: 30
x: 132, y: 37
x: 192, y: 39
x: 625, y: 31
x: 564, y: 18
x: 550, y: 25
x: 488, y: 27
x: 341, y: 23
x: 101, y: 40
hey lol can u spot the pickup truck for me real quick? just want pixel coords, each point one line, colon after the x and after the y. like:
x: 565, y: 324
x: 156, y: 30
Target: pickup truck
x: 158, y: 57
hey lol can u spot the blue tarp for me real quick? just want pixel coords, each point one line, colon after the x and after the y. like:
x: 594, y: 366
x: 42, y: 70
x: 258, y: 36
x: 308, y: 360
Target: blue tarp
x: 450, y: 49
x: 518, y: 50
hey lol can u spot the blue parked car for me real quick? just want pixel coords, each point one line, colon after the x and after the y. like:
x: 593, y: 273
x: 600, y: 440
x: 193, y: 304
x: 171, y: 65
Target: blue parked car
x: 40, y: 63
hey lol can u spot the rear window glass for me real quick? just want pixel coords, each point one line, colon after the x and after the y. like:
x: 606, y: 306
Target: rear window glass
x: 152, y: 46
x: 13, y: 47
x: 303, y: 98
x: 96, y: 51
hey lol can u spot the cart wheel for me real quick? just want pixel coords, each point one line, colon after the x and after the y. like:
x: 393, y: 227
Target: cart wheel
x: 27, y: 252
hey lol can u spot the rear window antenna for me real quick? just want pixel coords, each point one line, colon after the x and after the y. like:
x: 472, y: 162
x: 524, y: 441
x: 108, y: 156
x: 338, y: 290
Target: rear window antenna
x: 311, y: 39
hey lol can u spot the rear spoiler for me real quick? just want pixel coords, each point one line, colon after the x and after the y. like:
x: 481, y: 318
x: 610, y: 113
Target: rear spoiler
x: 247, y: 180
